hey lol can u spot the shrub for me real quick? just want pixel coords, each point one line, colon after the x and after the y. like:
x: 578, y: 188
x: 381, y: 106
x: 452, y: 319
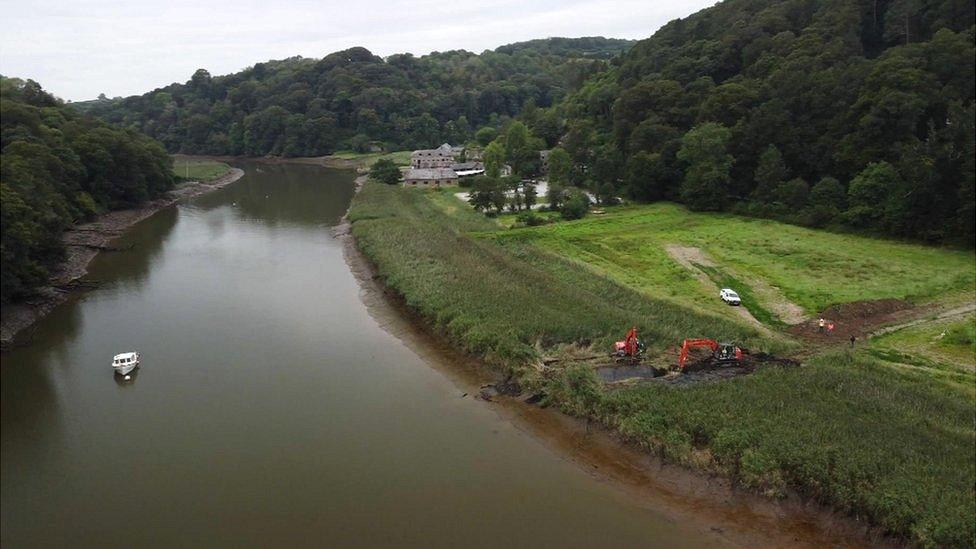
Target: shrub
x: 530, y: 219
x: 575, y: 207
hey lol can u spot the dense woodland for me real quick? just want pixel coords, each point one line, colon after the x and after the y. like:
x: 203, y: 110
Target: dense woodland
x: 827, y: 113
x: 353, y: 99
x: 59, y: 167
x: 818, y: 112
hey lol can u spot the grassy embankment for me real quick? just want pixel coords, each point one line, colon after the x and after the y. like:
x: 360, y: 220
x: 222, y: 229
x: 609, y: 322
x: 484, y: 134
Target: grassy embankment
x: 893, y: 445
x: 811, y: 268
x: 400, y: 158
x: 945, y: 347
x: 199, y: 170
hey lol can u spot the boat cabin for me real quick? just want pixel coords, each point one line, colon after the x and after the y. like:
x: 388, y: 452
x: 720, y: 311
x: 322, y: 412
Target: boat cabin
x: 124, y: 359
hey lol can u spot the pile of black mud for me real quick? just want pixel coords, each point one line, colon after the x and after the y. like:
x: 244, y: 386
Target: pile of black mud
x: 703, y: 370
x: 507, y: 387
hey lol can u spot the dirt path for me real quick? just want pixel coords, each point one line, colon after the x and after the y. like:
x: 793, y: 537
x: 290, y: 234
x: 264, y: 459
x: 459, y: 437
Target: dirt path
x: 82, y: 243
x: 690, y: 257
x: 943, y: 315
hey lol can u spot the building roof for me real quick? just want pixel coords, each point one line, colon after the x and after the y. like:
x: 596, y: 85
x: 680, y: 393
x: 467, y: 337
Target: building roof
x: 431, y: 153
x: 430, y: 173
x: 467, y: 166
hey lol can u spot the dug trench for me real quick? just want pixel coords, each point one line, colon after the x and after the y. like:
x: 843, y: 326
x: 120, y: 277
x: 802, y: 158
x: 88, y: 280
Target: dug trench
x: 711, y: 504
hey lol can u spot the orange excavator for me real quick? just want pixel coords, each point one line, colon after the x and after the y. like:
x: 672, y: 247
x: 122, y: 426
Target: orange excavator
x: 631, y: 349
x: 721, y: 352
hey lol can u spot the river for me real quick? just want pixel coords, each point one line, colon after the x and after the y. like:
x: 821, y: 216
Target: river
x: 272, y: 408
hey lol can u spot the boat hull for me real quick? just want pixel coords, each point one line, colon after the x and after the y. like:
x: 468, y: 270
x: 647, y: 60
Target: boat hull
x: 125, y: 369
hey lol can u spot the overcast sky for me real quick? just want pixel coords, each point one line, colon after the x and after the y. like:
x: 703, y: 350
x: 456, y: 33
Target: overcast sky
x: 78, y: 49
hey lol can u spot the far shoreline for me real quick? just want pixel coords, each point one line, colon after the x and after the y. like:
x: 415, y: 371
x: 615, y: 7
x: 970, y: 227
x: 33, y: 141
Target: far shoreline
x: 83, y: 242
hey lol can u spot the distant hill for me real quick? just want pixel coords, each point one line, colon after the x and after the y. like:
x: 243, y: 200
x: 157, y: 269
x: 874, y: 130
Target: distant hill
x: 596, y: 47
x: 819, y: 112
x: 306, y: 107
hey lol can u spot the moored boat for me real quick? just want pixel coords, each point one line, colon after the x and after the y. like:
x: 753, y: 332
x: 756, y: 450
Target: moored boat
x: 125, y: 362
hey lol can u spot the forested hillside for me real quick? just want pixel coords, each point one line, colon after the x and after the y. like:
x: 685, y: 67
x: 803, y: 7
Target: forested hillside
x: 819, y: 112
x: 306, y: 107
x: 58, y: 167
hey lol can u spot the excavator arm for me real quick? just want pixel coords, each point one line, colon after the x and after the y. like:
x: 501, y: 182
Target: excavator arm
x: 690, y: 344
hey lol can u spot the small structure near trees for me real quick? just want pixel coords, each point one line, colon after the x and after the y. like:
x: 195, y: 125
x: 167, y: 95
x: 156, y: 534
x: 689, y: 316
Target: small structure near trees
x: 430, y: 177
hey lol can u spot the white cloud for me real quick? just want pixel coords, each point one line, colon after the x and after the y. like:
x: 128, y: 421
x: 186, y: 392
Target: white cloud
x: 80, y: 49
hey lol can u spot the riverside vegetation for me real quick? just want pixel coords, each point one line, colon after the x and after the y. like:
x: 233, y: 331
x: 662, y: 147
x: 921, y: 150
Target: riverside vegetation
x: 881, y: 440
x: 59, y: 168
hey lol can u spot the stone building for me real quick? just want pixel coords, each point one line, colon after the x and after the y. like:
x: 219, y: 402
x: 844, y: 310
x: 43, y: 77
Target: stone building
x: 441, y: 157
x: 430, y: 177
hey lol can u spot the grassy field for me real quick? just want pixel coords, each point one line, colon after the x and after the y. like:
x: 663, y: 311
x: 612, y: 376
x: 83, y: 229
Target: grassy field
x: 951, y: 342
x: 886, y: 441
x: 811, y: 268
x: 199, y: 170
x: 502, y: 302
x: 401, y: 158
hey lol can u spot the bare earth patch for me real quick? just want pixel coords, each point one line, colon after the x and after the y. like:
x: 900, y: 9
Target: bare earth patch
x: 688, y: 257
x: 777, y: 303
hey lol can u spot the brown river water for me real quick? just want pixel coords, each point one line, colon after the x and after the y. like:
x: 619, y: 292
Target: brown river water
x: 275, y: 408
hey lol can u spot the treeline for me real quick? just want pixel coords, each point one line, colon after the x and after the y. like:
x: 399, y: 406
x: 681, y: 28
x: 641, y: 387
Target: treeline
x: 355, y: 100
x: 58, y: 167
x: 817, y: 112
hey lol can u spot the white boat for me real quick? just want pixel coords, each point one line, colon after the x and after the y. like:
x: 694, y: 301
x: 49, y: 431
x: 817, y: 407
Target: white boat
x: 125, y: 362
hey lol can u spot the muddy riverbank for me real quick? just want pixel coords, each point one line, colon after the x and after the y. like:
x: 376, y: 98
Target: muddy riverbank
x: 710, y: 505
x: 82, y: 243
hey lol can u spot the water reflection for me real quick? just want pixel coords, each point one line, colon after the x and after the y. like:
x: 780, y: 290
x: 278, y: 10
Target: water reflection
x: 264, y: 420
x: 127, y: 380
x: 292, y: 194
x: 127, y: 270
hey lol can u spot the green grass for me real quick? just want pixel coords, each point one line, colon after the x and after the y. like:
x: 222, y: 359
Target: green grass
x: 748, y: 299
x: 501, y: 301
x: 886, y: 441
x: 199, y: 170
x: 892, y: 446
x: 951, y: 341
x: 812, y: 268
x: 400, y: 158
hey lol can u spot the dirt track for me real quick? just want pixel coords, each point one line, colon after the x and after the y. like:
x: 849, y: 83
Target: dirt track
x: 691, y: 257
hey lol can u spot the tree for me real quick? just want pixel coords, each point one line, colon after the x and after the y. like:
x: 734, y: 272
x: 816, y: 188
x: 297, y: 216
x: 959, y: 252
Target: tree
x: 493, y: 158
x: 706, y: 181
x: 647, y: 177
x: 771, y: 172
x: 575, y: 205
x: 57, y: 168
x: 827, y: 200
x: 868, y: 192
x: 560, y: 165
x: 555, y: 195
x: 487, y: 193
x: 480, y: 197
x: 518, y: 147
x: 793, y: 194
x: 529, y: 195
x: 485, y: 135
x: 386, y: 171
